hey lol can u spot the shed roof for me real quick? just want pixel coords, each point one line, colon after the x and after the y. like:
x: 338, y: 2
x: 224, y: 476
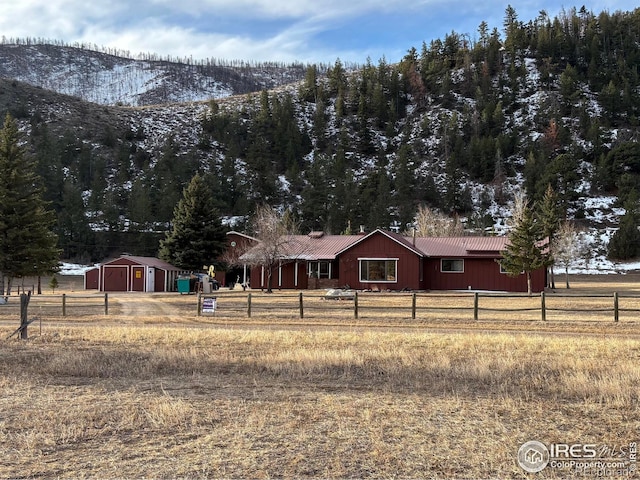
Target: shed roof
x: 148, y: 261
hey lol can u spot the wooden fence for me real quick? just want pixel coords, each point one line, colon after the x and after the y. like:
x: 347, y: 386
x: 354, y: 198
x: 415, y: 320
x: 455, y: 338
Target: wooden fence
x: 357, y: 305
x: 472, y: 305
x: 60, y: 305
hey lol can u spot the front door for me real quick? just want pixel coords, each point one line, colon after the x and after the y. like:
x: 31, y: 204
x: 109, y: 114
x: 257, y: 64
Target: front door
x: 138, y: 279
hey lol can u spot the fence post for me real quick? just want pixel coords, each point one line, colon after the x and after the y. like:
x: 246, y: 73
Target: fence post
x: 106, y: 304
x: 199, y: 304
x: 413, y: 306
x: 355, y: 305
x: 64, y: 304
x: 616, y: 311
x: 475, y: 305
x: 249, y: 305
x: 543, y: 306
x: 301, y: 307
x: 24, y: 304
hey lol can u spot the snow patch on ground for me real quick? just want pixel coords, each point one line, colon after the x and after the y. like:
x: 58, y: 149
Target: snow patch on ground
x: 74, y: 269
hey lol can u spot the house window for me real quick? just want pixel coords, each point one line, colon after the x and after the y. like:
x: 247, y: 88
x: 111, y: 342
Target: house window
x: 452, y: 265
x: 379, y: 270
x: 320, y: 269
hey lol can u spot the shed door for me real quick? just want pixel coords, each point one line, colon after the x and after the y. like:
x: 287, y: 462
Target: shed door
x: 115, y: 278
x: 137, y: 283
x: 151, y: 280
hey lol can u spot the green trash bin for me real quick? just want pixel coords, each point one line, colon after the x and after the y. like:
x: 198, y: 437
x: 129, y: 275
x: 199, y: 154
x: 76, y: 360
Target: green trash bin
x: 183, y: 285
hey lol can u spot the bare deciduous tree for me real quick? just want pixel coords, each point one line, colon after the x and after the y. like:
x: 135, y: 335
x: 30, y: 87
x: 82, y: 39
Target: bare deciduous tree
x: 565, y: 247
x: 275, y: 234
x: 430, y: 223
x: 518, y: 209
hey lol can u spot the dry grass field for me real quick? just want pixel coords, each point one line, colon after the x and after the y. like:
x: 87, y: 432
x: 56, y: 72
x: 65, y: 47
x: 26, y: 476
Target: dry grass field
x: 154, y: 391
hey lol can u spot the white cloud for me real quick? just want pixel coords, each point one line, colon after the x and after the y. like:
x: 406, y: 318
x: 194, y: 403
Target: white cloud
x: 284, y: 30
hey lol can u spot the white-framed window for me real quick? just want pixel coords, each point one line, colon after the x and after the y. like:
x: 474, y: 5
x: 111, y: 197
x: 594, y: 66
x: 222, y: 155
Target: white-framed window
x: 378, y: 270
x: 320, y: 269
x: 452, y: 265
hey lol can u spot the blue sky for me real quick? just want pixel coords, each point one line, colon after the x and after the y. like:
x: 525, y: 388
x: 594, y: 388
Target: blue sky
x: 267, y: 30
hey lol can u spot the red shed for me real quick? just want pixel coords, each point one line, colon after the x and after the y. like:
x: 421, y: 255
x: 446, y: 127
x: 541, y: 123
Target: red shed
x: 134, y: 274
x: 92, y: 279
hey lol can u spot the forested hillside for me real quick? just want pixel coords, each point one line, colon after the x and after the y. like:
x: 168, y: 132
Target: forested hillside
x: 458, y: 124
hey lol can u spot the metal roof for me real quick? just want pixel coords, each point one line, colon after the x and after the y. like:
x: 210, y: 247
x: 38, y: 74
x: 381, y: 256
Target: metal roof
x: 148, y: 261
x: 318, y: 246
x: 315, y: 247
x: 461, y: 246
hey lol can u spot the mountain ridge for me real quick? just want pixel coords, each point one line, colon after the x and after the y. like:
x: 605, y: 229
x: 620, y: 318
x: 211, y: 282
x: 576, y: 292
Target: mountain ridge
x: 460, y: 127
x: 109, y: 79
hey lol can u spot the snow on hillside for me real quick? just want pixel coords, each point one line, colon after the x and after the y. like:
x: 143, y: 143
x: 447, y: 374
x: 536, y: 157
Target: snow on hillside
x: 107, y: 79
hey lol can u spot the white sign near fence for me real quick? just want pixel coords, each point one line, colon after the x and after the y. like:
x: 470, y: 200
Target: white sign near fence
x: 209, y: 305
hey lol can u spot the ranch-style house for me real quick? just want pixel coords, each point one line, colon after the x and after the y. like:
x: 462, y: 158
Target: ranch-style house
x: 383, y: 260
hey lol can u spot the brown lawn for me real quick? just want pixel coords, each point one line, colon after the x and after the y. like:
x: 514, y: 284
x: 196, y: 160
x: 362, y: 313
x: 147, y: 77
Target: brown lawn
x: 171, y: 394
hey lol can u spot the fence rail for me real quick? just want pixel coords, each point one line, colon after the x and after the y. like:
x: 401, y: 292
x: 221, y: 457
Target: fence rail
x: 473, y: 305
x: 60, y: 305
x: 356, y: 305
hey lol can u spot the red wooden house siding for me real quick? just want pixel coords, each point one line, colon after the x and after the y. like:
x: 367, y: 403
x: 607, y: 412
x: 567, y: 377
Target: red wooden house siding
x: 416, y: 263
x: 283, y: 277
x: 381, y: 247
x: 91, y: 279
x: 479, y: 274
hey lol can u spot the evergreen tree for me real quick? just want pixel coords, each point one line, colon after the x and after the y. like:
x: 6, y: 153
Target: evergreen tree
x: 550, y: 213
x: 405, y: 181
x: 75, y: 235
x: 625, y: 242
x: 525, y: 251
x: 197, y: 237
x: 27, y: 244
x: 315, y: 195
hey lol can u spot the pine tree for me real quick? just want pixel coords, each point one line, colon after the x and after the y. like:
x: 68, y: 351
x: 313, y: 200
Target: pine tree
x: 550, y: 213
x: 625, y: 242
x: 198, y: 237
x: 405, y: 181
x: 74, y: 232
x: 27, y: 244
x: 525, y: 251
